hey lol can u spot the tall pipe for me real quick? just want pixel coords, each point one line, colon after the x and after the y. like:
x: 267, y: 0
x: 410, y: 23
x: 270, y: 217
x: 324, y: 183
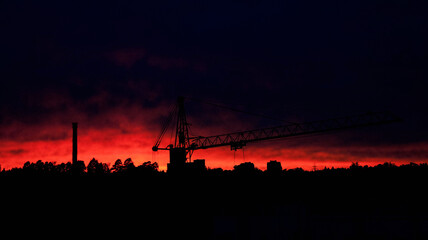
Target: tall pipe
x: 74, y: 159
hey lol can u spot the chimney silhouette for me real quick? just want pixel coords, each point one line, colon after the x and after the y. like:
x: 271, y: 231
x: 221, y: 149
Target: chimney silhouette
x: 74, y: 159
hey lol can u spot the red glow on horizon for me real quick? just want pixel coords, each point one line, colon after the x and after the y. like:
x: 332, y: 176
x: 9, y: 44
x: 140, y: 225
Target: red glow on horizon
x: 129, y: 131
x: 108, y: 145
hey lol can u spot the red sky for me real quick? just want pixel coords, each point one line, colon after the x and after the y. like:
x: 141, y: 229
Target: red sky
x: 116, y: 68
x: 123, y: 138
x: 113, y: 127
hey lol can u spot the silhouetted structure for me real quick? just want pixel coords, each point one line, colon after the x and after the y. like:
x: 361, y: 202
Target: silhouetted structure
x: 177, y: 161
x: 177, y: 167
x: 182, y: 149
x: 198, y: 166
x: 274, y: 167
x: 74, y: 155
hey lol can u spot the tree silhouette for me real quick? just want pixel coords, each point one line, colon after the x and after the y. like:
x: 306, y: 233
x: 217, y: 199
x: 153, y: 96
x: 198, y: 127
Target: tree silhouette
x: 117, y: 166
x: 78, y: 168
x: 128, y: 165
x: 246, y: 169
x: 96, y: 168
x: 148, y: 168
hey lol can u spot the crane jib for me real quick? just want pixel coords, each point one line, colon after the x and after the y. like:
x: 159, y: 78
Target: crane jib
x: 182, y: 149
x: 239, y: 139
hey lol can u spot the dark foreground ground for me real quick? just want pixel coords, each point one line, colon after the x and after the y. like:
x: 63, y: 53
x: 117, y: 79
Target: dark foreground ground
x: 235, y: 207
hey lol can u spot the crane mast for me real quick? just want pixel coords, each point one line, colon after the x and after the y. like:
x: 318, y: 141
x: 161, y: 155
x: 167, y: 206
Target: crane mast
x: 181, y: 149
x: 184, y: 145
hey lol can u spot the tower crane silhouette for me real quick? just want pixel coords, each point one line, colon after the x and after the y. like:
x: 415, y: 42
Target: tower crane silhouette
x: 184, y: 146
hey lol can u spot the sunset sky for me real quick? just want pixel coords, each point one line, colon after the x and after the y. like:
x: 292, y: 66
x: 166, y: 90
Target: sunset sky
x: 116, y: 67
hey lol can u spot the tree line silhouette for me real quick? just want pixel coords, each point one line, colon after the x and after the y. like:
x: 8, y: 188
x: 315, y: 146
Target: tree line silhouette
x: 242, y: 203
x: 93, y: 168
x: 246, y: 169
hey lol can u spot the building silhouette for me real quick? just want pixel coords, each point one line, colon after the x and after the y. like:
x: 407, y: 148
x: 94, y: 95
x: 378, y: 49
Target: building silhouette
x: 274, y: 167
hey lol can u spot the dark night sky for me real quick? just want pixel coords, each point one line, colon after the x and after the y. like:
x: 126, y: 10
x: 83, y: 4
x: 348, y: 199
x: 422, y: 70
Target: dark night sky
x: 111, y: 62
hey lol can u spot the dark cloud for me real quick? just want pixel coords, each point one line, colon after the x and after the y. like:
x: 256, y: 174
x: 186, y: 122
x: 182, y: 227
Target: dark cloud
x: 412, y: 154
x: 17, y: 151
x: 126, y: 57
x: 297, y: 61
x: 11, y: 153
